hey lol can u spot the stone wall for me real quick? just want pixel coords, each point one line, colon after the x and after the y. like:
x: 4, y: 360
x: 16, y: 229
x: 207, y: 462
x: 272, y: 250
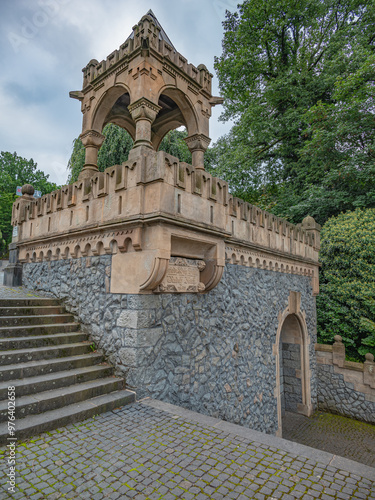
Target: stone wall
x: 211, y: 352
x: 344, y: 387
x: 291, y: 365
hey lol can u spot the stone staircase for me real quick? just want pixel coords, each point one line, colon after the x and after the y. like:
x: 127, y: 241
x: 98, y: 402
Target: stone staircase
x: 58, y: 378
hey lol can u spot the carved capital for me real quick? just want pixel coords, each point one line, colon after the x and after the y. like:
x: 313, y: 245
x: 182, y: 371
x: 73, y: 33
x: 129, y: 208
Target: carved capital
x: 92, y: 138
x: 143, y: 109
x: 197, y: 142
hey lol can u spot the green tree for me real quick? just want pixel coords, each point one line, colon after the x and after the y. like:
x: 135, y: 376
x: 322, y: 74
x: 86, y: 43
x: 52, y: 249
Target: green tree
x: 116, y: 147
x: 340, y: 156
x: 17, y: 171
x: 173, y: 143
x: 346, y: 303
x: 280, y: 60
x: 114, y: 151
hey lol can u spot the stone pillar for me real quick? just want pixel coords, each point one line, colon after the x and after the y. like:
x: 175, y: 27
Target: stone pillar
x: 338, y: 352
x: 92, y: 140
x: 143, y: 113
x: 197, y: 144
x: 13, y: 271
x: 369, y: 371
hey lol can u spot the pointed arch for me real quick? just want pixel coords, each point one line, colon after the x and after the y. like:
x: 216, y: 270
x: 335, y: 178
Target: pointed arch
x: 292, y: 325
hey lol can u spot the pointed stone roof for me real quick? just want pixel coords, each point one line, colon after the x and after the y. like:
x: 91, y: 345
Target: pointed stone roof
x: 162, y: 34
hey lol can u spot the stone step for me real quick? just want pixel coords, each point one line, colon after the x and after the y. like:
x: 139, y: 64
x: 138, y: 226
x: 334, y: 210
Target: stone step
x: 32, y: 301
x: 42, y: 340
x: 31, y: 310
x: 60, y: 351
x: 11, y: 321
x: 24, y: 331
x: 58, y: 398
x: 36, y: 424
x: 50, y: 381
x: 44, y: 366
x: 58, y: 379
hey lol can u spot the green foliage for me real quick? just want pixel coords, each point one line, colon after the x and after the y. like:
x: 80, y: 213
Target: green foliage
x: 16, y: 171
x: 173, y: 143
x: 114, y: 151
x: 346, y: 304
x: 116, y: 147
x: 298, y: 81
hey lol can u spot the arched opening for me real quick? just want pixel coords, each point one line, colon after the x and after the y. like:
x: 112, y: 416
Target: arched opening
x: 292, y: 367
x: 113, y: 108
x: 119, y: 115
x: 176, y: 111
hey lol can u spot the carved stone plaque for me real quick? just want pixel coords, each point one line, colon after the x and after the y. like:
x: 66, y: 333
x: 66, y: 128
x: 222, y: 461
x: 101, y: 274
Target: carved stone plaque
x: 182, y: 276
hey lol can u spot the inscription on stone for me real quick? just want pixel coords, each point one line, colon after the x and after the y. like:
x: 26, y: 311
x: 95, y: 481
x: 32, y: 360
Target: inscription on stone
x: 183, y: 275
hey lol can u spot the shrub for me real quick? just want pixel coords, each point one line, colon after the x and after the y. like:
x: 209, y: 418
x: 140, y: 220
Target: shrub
x: 346, y: 304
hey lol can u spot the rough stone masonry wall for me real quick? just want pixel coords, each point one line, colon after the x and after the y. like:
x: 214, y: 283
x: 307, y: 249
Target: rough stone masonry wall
x: 208, y: 352
x: 339, y: 396
x: 292, y: 385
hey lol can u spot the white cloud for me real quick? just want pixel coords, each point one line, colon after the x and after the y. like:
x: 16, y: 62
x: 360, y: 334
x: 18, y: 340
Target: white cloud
x: 37, y: 118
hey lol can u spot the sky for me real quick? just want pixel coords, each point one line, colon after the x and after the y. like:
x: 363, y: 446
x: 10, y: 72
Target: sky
x: 44, y: 44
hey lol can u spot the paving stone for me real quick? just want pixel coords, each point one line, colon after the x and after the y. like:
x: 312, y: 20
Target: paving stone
x: 254, y: 471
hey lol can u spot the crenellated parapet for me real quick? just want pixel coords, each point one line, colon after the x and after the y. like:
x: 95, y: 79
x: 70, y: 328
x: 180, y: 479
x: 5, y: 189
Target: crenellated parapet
x: 153, y: 208
x: 147, y: 88
x: 146, y: 37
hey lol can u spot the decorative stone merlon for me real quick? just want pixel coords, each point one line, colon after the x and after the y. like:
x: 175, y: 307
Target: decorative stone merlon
x: 313, y: 228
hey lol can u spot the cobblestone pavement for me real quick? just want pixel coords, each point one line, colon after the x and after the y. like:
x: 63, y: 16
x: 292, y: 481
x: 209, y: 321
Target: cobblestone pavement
x: 16, y: 292
x: 153, y: 450
x: 338, y: 435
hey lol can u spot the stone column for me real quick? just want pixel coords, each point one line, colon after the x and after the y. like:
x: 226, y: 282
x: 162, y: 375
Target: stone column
x: 92, y: 140
x: 13, y: 271
x: 143, y: 113
x: 197, y: 144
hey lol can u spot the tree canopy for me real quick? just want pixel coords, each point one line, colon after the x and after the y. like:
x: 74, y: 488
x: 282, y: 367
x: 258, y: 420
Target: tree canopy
x: 17, y: 171
x: 298, y: 81
x: 116, y: 147
x: 115, y: 150
x: 346, y: 303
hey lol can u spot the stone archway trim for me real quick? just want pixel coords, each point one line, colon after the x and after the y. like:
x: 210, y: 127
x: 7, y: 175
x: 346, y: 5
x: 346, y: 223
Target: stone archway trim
x: 294, y: 308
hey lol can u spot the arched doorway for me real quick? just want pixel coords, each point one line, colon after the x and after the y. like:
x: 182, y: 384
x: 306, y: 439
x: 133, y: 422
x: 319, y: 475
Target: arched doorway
x: 292, y: 363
